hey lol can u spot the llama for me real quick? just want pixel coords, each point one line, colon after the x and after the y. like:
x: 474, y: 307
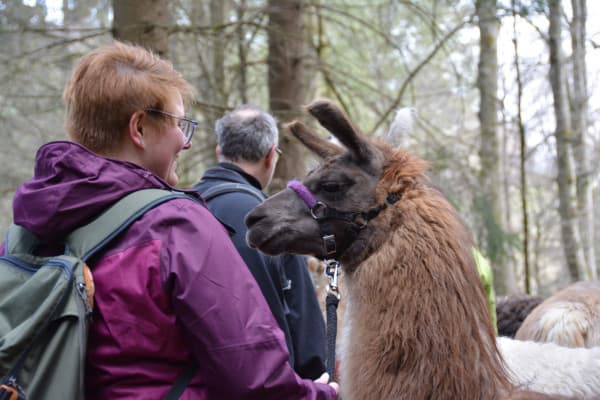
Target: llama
x: 417, y: 324
x: 512, y: 310
x: 571, y: 317
x: 534, y: 365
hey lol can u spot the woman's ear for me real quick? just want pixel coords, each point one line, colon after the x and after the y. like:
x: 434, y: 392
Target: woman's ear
x: 136, y: 130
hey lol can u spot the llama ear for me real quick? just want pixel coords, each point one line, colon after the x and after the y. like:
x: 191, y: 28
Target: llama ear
x: 318, y: 145
x: 335, y: 121
x: 321, y: 147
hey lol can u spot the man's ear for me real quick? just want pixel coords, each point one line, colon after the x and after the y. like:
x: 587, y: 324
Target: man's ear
x: 136, y: 130
x: 270, y: 157
x: 218, y: 152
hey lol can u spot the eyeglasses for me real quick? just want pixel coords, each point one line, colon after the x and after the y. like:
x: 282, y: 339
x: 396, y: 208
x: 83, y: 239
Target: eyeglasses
x: 278, y: 151
x: 188, y: 126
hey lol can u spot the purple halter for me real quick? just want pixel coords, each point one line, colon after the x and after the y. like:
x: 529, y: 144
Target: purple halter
x: 302, y: 192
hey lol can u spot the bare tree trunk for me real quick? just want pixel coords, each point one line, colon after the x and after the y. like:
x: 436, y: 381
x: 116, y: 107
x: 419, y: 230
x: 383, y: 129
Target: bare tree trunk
x: 489, y: 153
x: 242, y: 51
x: 217, y: 19
x: 286, y: 80
x: 523, y: 152
x: 217, y: 75
x: 143, y: 22
x: 566, y: 188
x: 210, y: 53
x: 579, y: 109
x: 67, y: 15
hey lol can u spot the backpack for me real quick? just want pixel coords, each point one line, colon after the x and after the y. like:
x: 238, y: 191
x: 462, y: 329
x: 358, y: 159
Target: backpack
x: 46, y: 304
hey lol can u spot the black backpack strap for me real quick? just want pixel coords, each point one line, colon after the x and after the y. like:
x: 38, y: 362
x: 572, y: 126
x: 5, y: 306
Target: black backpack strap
x: 183, y: 380
x: 229, y: 187
x: 88, y: 239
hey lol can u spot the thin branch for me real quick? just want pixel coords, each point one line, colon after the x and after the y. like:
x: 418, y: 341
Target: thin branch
x: 62, y: 43
x: 416, y: 70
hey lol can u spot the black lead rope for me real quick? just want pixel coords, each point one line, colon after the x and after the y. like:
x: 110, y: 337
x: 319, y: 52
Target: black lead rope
x: 332, y: 300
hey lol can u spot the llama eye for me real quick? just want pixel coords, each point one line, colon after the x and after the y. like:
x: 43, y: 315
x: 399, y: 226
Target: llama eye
x: 331, y: 187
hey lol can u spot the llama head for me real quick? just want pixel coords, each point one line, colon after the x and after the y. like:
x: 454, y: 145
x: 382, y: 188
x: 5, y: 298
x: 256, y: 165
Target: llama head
x: 331, y: 213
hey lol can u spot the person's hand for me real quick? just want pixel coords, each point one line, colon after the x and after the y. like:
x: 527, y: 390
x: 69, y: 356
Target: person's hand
x: 325, y: 379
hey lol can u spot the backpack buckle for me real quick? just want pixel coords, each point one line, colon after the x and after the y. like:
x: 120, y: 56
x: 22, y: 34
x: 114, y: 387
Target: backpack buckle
x: 8, y: 392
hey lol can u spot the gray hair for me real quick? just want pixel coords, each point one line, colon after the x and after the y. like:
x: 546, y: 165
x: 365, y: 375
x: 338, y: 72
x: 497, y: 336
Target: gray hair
x: 247, y: 133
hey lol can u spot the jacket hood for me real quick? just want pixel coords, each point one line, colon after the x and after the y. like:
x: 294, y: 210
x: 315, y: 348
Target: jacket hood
x: 71, y: 186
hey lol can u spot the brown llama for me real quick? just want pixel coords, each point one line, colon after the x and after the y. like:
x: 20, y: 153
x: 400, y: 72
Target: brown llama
x: 570, y: 317
x: 417, y: 324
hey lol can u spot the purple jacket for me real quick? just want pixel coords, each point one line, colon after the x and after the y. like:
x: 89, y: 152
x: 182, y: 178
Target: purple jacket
x: 172, y: 287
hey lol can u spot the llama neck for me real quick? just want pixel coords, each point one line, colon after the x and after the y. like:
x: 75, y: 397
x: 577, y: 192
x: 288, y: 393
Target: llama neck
x: 419, y: 312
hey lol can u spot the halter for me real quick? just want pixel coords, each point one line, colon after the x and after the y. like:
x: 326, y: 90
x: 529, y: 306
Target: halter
x: 322, y: 213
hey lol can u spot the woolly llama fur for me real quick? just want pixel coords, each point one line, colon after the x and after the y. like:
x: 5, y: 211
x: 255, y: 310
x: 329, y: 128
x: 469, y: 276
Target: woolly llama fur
x: 571, y: 318
x: 549, y: 368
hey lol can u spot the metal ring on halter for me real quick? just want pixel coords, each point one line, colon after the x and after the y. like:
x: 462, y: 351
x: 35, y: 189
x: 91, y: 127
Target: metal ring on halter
x: 318, y: 208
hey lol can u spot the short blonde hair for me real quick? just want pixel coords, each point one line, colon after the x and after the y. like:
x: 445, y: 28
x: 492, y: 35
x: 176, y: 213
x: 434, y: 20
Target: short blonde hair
x: 110, y: 84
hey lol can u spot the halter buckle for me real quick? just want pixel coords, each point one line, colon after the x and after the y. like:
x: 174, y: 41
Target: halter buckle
x: 332, y: 271
x: 329, y: 244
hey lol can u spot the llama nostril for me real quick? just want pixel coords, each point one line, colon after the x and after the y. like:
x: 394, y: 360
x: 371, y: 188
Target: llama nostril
x: 252, y: 218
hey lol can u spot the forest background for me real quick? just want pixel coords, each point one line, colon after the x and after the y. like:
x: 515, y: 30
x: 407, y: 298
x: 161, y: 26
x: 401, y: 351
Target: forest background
x: 505, y: 98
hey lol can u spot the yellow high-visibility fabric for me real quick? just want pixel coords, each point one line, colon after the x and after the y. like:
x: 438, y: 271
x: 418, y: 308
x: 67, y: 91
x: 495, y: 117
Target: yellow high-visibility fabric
x: 485, y: 273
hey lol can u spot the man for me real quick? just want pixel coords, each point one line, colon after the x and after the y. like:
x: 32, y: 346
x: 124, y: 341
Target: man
x: 247, y: 151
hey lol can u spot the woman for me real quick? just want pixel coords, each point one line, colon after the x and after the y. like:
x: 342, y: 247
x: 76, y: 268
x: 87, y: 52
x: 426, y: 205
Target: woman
x: 172, y: 288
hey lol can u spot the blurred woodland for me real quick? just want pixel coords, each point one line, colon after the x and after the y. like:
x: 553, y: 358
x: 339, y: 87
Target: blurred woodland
x: 505, y: 97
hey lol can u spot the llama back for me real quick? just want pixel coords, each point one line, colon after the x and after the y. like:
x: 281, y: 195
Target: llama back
x: 549, y: 368
x: 571, y: 317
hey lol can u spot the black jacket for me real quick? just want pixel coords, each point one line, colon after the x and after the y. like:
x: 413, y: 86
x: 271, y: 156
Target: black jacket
x: 284, y: 280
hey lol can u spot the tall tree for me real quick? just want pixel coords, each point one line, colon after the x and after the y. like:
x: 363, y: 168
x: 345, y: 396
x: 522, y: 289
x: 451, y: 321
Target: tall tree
x: 563, y: 134
x: 286, y: 79
x: 579, y: 113
x: 522, y: 156
x: 143, y: 22
x: 207, y: 56
x: 489, y: 151
x: 216, y: 78
x: 242, y: 51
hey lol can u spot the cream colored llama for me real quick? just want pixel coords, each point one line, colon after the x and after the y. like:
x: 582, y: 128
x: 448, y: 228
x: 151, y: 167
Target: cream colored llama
x: 571, y: 317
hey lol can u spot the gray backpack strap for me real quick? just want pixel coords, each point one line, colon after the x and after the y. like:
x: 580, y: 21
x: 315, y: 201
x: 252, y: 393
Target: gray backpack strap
x: 19, y: 240
x: 229, y: 187
x: 88, y: 239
